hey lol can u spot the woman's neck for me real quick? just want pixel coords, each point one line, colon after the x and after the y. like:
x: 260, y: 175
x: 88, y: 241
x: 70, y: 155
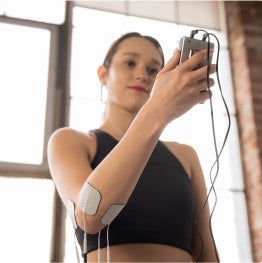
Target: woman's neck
x: 116, y: 120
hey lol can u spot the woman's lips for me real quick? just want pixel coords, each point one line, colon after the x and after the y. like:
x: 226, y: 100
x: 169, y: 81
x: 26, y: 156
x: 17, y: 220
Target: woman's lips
x: 138, y: 88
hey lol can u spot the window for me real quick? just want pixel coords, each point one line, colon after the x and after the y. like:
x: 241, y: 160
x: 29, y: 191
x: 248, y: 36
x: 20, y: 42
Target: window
x: 92, y: 37
x: 24, y: 65
x: 26, y: 100
x: 26, y: 219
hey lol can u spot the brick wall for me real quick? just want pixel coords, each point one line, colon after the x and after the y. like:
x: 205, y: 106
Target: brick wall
x: 244, y: 28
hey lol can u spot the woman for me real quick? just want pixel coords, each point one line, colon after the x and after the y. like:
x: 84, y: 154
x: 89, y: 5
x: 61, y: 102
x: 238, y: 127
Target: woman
x: 160, y: 183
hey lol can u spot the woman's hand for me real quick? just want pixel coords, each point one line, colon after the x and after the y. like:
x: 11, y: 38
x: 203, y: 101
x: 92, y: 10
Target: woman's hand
x: 178, y: 88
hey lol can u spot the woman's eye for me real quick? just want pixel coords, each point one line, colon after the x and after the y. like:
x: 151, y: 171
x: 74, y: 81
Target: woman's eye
x: 152, y: 71
x: 130, y: 63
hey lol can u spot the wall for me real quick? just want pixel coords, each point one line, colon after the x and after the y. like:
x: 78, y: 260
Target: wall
x: 244, y: 27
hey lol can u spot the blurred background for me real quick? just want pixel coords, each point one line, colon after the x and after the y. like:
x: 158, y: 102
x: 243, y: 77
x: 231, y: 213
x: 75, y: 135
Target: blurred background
x: 49, y: 55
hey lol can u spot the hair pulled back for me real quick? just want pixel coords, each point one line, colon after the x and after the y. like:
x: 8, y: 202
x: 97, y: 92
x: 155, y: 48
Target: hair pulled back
x: 112, y: 50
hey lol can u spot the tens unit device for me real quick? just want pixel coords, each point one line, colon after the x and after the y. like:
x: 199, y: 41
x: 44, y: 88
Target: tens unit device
x: 188, y: 46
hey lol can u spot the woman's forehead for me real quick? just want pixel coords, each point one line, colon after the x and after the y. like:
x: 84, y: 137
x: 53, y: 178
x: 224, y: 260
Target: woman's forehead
x: 139, y: 46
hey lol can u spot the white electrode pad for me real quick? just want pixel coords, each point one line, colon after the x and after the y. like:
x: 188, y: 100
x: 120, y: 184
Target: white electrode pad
x: 111, y: 213
x: 89, y: 199
x: 71, y: 212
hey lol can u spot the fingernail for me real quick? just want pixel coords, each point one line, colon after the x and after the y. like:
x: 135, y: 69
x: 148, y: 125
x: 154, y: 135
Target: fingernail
x: 176, y: 51
x: 211, y: 51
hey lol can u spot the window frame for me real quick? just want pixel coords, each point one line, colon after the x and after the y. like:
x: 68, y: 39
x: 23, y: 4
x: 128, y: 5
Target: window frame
x: 13, y: 169
x: 56, y: 116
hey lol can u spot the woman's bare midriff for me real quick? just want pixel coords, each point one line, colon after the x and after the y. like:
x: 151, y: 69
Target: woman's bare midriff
x: 141, y: 252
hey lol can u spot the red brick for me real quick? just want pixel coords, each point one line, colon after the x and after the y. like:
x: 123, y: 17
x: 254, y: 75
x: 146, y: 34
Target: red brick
x: 244, y: 25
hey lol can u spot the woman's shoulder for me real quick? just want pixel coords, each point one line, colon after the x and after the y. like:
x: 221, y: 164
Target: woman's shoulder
x: 69, y: 135
x: 180, y: 146
x: 184, y: 153
x: 67, y: 139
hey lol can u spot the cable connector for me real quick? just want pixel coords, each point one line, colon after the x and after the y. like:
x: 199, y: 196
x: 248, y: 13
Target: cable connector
x: 204, y: 37
x: 193, y: 33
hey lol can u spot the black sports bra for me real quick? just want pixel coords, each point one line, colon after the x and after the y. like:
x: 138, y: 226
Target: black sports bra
x: 160, y: 209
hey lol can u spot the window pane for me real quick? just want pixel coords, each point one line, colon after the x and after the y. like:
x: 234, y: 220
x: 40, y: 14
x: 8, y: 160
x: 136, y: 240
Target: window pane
x: 81, y: 110
x: 84, y: 80
x: 47, y: 11
x: 24, y: 53
x: 26, y: 219
x: 230, y: 227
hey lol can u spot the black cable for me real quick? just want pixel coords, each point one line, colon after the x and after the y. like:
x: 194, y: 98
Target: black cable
x: 225, y: 139
x: 215, y: 143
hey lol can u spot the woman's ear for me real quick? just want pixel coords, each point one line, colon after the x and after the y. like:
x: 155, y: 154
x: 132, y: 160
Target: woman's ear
x: 101, y: 73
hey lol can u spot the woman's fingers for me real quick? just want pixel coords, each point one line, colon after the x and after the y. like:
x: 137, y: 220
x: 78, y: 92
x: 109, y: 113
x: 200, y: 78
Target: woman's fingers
x: 201, y: 74
x: 202, y: 85
x: 203, y: 96
x: 196, y: 60
x: 179, y: 88
x: 172, y: 62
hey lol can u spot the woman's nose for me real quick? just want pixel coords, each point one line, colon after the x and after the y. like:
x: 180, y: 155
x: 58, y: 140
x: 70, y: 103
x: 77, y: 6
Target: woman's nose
x: 141, y: 74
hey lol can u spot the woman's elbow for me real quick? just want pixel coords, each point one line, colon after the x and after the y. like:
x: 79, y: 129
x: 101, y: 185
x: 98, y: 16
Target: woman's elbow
x: 89, y: 224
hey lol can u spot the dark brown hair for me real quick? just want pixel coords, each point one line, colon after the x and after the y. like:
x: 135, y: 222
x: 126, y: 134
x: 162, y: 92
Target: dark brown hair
x: 112, y: 50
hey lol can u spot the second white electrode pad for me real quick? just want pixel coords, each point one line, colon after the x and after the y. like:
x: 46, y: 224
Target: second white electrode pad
x: 111, y: 213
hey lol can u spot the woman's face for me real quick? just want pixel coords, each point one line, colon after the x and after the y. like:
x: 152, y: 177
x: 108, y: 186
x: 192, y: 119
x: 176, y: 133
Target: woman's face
x: 132, y: 73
